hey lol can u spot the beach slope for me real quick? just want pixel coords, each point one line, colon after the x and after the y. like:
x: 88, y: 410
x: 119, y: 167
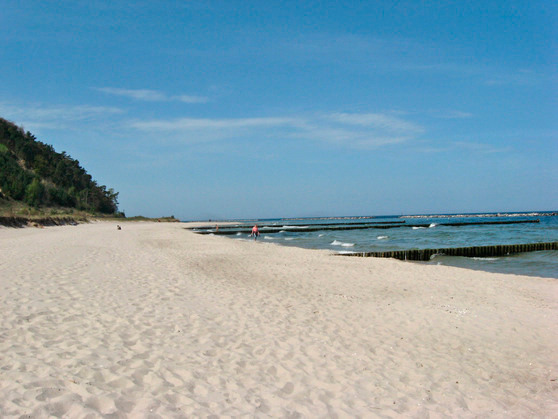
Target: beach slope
x: 156, y: 320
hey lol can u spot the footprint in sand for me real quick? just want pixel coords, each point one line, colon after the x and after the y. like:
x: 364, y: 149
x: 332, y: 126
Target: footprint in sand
x: 288, y: 388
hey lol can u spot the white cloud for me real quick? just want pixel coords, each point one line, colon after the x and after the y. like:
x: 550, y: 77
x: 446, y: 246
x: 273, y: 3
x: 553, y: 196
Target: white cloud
x: 363, y: 139
x: 348, y: 130
x: 188, y: 124
x: 151, y: 95
x: 453, y: 115
x: 65, y: 112
x: 140, y: 94
x: 191, y: 99
x: 517, y: 78
x: 378, y: 121
x: 38, y: 116
x: 480, y: 147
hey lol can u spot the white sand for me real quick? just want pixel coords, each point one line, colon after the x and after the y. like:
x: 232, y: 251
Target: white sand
x: 155, y: 320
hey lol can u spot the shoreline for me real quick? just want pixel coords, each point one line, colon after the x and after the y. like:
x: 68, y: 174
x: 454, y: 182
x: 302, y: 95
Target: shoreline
x: 156, y: 319
x: 527, y: 251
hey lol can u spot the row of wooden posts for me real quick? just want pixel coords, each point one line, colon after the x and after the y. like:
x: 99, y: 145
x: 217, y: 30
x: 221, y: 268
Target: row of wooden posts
x: 476, y: 251
x: 286, y: 225
x: 227, y: 230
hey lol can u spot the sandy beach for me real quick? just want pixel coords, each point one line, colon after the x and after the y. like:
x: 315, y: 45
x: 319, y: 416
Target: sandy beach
x: 156, y: 321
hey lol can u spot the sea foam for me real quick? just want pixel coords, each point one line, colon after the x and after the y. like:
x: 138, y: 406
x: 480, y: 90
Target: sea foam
x: 338, y: 243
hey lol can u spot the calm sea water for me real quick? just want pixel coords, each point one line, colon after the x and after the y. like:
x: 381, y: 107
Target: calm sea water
x: 426, y: 232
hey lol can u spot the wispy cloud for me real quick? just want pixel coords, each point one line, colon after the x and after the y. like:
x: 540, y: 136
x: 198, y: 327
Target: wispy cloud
x: 138, y: 94
x: 397, y: 55
x: 347, y: 130
x: 452, y: 114
x: 191, y: 99
x: 378, y: 121
x: 354, y: 130
x: 151, y: 95
x: 203, y: 130
x: 189, y: 124
x: 518, y: 78
x: 342, y: 129
x: 480, y: 147
x: 55, y: 116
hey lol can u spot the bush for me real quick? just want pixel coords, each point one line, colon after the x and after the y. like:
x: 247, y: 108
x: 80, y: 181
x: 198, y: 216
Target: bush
x: 34, y: 193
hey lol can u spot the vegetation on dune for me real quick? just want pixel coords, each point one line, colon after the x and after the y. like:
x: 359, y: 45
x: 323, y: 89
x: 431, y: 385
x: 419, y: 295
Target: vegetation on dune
x: 33, y: 176
x: 170, y: 219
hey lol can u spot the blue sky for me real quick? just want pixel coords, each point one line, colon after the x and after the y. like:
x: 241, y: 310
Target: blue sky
x: 239, y: 109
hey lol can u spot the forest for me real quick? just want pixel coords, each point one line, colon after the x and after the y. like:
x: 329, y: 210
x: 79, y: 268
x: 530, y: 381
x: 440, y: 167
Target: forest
x: 34, y: 173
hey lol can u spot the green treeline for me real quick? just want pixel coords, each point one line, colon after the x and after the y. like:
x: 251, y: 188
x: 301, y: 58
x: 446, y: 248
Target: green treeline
x: 35, y: 173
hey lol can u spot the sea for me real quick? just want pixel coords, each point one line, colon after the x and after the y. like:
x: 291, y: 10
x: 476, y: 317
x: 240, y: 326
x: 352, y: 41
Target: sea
x: 409, y: 232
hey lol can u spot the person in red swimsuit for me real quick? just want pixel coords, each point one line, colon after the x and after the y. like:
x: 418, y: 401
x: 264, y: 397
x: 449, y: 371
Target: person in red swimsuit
x: 255, y: 232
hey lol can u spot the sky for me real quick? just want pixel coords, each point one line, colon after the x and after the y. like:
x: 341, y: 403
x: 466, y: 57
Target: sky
x: 264, y: 109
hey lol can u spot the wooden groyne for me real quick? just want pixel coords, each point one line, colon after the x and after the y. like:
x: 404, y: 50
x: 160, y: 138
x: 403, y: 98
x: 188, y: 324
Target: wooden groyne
x: 269, y: 230
x: 476, y: 251
x: 478, y: 223
x: 232, y: 230
x: 298, y: 227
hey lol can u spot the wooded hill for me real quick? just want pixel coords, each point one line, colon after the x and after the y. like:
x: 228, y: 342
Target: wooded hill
x: 34, y: 173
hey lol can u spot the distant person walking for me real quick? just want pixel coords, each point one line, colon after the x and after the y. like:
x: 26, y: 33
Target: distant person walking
x: 255, y: 232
